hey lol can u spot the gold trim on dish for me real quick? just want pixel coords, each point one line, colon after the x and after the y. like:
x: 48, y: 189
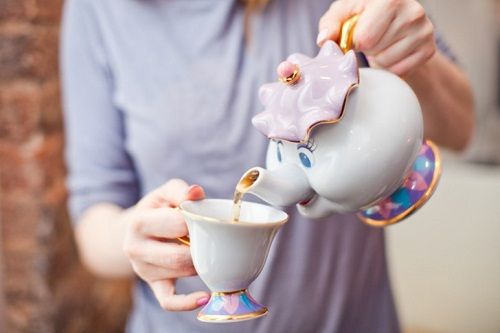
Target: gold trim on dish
x: 225, y: 293
x: 430, y: 190
x: 221, y: 318
x: 240, y: 223
x: 252, y: 315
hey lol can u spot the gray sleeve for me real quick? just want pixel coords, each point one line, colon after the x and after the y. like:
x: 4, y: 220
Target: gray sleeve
x: 99, y: 168
x: 444, y: 48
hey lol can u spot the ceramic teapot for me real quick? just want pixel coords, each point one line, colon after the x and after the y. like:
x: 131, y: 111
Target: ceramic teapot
x: 343, y: 139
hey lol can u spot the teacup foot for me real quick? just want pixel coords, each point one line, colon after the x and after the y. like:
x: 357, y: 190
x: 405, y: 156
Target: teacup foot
x: 417, y: 188
x: 225, y: 307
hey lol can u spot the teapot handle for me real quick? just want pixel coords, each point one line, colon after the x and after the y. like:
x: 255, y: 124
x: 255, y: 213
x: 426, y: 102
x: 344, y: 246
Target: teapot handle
x: 346, y: 40
x: 184, y: 239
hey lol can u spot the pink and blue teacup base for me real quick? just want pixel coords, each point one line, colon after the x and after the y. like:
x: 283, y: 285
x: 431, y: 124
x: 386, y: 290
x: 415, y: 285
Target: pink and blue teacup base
x: 225, y: 307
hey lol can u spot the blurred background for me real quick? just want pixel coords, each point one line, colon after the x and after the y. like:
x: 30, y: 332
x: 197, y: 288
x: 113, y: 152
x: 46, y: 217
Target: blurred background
x: 445, y: 261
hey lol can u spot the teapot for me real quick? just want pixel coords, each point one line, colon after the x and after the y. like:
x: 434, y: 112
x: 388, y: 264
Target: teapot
x: 343, y: 139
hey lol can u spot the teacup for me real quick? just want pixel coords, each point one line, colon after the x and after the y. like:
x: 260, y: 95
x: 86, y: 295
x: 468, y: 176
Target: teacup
x: 229, y: 256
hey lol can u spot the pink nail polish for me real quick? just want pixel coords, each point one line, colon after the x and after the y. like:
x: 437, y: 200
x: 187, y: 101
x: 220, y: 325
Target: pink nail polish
x: 202, y: 301
x: 191, y: 188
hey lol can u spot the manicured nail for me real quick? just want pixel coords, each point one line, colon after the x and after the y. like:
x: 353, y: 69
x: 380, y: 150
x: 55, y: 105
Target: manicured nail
x: 202, y: 301
x: 192, y: 188
x: 322, y: 36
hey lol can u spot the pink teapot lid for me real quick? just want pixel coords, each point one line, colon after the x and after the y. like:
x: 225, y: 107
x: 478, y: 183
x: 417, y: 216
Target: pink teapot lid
x: 311, y: 91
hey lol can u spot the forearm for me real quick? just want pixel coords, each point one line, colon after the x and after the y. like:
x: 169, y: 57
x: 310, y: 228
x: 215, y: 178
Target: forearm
x: 99, y: 235
x: 446, y: 99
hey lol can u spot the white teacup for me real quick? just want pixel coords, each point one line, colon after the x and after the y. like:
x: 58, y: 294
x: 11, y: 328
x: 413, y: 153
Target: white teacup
x: 229, y: 256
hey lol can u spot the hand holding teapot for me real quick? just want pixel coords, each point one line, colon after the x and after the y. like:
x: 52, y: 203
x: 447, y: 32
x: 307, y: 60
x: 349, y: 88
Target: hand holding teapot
x: 396, y: 35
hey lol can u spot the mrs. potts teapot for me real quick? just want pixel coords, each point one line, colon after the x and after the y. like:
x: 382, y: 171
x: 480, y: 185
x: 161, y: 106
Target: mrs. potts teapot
x: 343, y: 139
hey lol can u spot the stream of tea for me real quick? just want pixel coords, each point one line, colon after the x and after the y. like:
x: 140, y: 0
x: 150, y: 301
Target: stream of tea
x: 241, y: 188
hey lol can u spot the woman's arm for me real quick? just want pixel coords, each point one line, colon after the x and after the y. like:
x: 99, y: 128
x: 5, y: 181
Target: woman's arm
x: 114, y: 242
x: 446, y: 99
x: 99, y: 236
x: 101, y: 177
x: 397, y: 35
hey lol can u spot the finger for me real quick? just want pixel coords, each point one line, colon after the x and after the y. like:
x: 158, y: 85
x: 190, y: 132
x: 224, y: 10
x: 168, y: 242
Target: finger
x: 195, y: 192
x: 149, y: 272
x: 174, y: 257
x: 398, y: 51
x: 164, y: 291
x: 172, y: 193
x: 181, y: 192
x: 393, y: 34
x: 411, y: 62
x: 373, y: 23
x: 167, y: 194
x: 413, y: 16
x: 331, y: 22
x: 164, y: 222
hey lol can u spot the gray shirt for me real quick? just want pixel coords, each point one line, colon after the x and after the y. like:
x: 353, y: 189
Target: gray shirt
x: 156, y: 89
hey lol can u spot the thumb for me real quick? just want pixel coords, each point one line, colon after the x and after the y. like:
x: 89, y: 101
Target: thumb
x: 331, y: 22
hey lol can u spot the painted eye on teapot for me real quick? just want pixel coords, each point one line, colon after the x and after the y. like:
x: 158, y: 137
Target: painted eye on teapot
x: 306, y: 155
x: 279, y: 151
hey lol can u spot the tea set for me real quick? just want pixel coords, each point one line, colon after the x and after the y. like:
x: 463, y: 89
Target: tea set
x: 343, y: 139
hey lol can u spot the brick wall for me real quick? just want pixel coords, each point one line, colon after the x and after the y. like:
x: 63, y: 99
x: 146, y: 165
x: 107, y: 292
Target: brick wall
x: 43, y: 288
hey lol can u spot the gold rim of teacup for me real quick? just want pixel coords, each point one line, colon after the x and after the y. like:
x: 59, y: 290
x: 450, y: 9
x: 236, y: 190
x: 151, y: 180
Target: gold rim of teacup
x: 227, y: 222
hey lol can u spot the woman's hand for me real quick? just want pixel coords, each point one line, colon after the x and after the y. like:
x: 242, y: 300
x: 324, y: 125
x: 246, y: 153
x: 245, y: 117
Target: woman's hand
x: 394, y: 34
x: 150, y: 244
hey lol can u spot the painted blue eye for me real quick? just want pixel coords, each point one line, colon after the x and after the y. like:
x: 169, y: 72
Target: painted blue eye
x: 306, y: 155
x: 279, y: 149
x: 305, y: 160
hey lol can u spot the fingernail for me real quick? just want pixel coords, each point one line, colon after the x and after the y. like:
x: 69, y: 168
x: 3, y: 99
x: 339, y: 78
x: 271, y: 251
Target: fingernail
x: 192, y: 188
x: 323, y: 34
x: 202, y: 301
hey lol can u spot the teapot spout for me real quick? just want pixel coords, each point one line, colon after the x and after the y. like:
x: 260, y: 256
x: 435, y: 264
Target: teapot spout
x: 283, y: 186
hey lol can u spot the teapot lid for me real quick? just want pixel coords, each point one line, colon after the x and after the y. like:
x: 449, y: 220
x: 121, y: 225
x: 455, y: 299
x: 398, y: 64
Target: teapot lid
x: 311, y: 91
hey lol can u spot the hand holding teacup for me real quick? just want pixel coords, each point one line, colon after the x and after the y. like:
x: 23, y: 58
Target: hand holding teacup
x: 156, y: 256
x: 228, y: 256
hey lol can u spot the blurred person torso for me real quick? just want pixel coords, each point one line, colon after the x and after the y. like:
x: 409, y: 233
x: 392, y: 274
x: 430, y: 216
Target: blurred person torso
x: 183, y: 87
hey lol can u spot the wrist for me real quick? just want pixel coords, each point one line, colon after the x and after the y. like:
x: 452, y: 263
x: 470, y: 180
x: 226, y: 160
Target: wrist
x: 424, y: 71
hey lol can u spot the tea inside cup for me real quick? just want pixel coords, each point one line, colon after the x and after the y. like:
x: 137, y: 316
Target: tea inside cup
x: 228, y: 256
x: 219, y: 210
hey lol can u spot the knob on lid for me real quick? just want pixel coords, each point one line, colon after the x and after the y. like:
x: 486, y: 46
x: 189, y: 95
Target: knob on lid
x: 288, y: 72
